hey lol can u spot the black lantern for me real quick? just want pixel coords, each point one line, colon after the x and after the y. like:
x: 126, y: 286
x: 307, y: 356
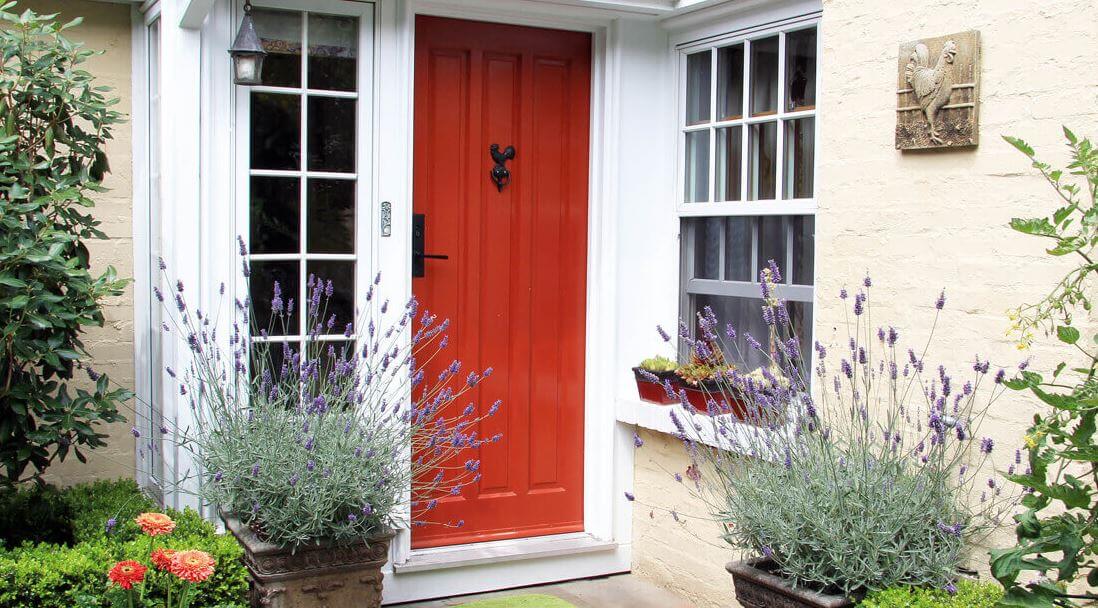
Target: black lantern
x: 247, y: 52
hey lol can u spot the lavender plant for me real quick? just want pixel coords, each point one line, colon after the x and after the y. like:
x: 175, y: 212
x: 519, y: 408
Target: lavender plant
x: 870, y: 481
x: 322, y: 438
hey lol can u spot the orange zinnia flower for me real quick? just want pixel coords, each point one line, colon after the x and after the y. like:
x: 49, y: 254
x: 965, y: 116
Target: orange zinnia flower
x: 193, y: 566
x: 127, y: 573
x: 162, y: 558
x: 155, y: 524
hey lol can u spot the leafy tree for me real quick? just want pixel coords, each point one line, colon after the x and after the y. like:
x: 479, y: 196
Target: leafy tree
x: 1057, y: 534
x: 54, y: 122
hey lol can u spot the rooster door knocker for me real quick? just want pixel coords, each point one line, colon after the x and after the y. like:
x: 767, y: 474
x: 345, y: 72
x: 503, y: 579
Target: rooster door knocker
x: 500, y: 174
x: 932, y: 85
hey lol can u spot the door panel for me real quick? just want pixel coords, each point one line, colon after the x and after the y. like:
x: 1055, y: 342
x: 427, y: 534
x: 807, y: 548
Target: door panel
x: 514, y: 284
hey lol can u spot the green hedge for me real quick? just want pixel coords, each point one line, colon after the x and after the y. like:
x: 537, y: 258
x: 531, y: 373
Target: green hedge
x: 969, y: 594
x: 51, y: 575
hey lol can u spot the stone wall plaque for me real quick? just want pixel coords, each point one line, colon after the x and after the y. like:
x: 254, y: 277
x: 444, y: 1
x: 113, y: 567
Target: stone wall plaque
x: 938, y: 93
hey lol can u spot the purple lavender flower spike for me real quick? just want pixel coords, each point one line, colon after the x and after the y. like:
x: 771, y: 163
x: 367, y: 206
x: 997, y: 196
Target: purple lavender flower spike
x: 630, y: 497
x: 941, y: 301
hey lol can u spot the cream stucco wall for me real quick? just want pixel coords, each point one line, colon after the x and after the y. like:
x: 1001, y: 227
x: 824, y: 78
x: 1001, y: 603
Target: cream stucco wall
x: 916, y: 222
x: 106, y: 28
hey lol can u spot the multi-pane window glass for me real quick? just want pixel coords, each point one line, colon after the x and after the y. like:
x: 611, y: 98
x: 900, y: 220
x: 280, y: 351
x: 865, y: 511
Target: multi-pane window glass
x: 303, y: 182
x: 723, y: 258
x: 758, y: 142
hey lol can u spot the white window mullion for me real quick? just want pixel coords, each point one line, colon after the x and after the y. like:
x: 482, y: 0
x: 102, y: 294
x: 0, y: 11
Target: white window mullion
x: 745, y: 134
x: 303, y: 216
x: 779, y: 128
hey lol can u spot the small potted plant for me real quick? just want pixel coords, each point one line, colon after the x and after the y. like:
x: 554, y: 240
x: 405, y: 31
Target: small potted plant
x: 651, y: 375
x: 306, y: 450
x: 705, y: 382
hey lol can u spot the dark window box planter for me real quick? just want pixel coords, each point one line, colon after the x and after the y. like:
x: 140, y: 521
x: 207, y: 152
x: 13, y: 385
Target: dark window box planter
x: 344, y: 574
x: 757, y: 586
x: 652, y: 392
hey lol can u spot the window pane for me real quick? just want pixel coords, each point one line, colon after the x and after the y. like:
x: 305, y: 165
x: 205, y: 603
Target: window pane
x: 730, y: 82
x: 276, y: 131
x: 800, y: 70
x: 331, y: 134
x: 331, y: 212
x: 772, y: 243
x: 274, y: 215
x: 745, y: 315
x: 764, y: 76
x: 761, y: 167
x: 697, y: 166
x: 698, y: 88
x: 800, y: 137
x: 737, y: 249
x: 707, y: 248
x: 341, y: 305
x: 270, y: 356
x: 804, y: 249
x: 333, y: 53
x: 729, y: 165
x: 280, y: 34
x: 261, y: 290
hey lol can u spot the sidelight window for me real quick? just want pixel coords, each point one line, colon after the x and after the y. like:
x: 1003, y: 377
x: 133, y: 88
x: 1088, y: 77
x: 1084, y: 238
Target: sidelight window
x: 304, y: 168
x: 748, y: 138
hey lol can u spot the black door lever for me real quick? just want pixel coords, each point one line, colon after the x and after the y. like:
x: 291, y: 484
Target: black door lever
x: 418, y: 240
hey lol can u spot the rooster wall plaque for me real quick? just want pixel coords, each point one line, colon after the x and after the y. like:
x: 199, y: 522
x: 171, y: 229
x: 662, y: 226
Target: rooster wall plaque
x: 938, y: 99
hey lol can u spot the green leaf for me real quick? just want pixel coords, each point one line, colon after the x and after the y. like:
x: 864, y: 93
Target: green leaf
x: 1067, y: 334
x: 1034, y: 226
x: 1021, y: 145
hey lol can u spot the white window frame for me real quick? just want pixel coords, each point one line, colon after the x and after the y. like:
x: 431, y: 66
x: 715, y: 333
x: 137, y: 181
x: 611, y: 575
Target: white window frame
x: 778, y: 206
x: 363, y: 174
x: 150, y: 355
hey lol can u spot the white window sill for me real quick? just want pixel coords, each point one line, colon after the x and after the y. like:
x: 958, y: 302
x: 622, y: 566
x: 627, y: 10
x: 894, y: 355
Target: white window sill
x: 656, y: 417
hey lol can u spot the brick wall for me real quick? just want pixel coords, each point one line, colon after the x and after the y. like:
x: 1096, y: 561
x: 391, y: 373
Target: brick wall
x: 106, y: 28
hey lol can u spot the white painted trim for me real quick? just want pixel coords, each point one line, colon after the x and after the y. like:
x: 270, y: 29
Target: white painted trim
x: 450, y: 582
x: 504, y: 550
x: 194, y: 13
x: 607, y: 447
x: 142, y: 290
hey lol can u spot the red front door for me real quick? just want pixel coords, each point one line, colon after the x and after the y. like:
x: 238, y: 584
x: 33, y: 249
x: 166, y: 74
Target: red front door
x: 514, y: 285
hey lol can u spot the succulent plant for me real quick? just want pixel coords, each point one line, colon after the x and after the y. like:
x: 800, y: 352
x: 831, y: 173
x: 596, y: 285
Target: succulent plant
x: 658, y: 365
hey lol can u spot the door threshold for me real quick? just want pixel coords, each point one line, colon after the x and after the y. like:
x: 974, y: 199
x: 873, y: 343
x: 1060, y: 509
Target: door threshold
x: 502, y: 551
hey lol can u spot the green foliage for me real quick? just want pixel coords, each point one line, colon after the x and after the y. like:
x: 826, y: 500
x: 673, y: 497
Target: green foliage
x: 37, y: 514
x: 659, y: 364
x: 871, y: 481
x: 969, y: 594
x: 312, y: 441
x: 54, y: 122
x: 1057, y: 534
x: 53, y: 576
x: 94, y: 503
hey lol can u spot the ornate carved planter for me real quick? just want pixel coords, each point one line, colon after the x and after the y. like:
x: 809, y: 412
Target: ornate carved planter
x: 337, y: 575
x: 757, y: 587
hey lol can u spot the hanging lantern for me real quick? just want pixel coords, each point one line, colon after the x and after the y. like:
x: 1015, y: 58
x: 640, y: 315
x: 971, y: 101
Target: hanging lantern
x: 247, y: 52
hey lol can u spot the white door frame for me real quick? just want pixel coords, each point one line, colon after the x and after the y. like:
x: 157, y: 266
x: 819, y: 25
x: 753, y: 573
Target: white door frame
x: 608, y: 458
x: 204, y: 195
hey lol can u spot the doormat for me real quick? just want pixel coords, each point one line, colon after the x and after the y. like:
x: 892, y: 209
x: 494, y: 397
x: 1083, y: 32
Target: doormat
x: 520, y: 601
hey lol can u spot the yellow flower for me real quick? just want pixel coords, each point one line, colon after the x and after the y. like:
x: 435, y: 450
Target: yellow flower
x: 1031, y: 441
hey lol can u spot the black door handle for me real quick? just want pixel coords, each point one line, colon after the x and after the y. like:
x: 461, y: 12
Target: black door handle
x: 418, y: 240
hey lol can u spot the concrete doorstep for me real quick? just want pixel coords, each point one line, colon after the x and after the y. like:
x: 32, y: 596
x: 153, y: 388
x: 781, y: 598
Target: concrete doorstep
x: 624, y: 590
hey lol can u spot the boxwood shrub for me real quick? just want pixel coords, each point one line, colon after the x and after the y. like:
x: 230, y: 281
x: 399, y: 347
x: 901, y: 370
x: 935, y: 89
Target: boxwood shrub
x: 970, y: 594
x: 55, y: 575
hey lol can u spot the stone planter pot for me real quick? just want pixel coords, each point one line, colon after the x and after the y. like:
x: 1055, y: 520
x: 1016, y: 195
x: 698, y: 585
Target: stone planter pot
x: 757, y: 587
x: 330, y: 575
